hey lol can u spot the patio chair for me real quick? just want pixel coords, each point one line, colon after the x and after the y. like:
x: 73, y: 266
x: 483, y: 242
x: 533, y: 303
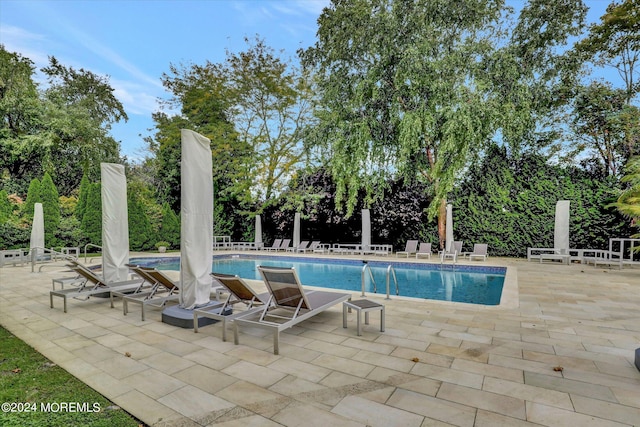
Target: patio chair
x: 284, y: 245
x: 322, y: 248
x: 303, y: 245
x: 93, y: 286
x: 479, y: 251
x: 288, y: 305
x: 454, y: 250
x: 162, y: 291
x: 410, y: 248
x: 312, y: 247
x: 275, y: 246
x: 424, y: 250
x: 239, y: 292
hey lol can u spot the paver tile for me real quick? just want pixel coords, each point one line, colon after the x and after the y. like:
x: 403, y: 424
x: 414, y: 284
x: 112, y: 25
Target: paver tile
x: 556, y: 417
x: 375, y: 414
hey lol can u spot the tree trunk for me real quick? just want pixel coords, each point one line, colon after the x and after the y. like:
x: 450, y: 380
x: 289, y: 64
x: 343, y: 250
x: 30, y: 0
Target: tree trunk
x: 442, y: 223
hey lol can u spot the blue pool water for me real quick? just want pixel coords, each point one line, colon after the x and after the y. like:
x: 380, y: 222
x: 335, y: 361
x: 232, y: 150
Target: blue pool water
x: 469, y: 284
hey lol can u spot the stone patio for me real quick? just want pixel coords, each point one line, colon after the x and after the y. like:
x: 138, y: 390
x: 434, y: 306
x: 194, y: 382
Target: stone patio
x: 436, y: 364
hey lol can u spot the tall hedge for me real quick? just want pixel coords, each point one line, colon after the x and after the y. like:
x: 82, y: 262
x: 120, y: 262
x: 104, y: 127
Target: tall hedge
x: 141, y: 235
x: 170, y: 228
x: 510, y: 203
x: 92, y: 219
x: 33, y: 197
x: 82, y: 197
x: 50, y: 209
x: 5, y: 207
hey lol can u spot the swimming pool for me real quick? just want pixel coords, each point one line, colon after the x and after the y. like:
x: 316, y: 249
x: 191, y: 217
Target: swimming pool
x: 459, y: 283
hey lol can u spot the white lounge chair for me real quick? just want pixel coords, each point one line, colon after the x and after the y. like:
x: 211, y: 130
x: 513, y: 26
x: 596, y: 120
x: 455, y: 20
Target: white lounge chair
x: 275, y: 246
x: 452, y: 252
x: 312, y: 247
x: 479, y: 251
x: 284, y: 245
x: 302, y: 246
x: 410, y: 248
x: 424, y: 250
x: 289, y: 304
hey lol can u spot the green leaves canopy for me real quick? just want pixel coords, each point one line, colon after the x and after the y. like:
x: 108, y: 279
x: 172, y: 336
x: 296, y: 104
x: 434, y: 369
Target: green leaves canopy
x: 416, y: 88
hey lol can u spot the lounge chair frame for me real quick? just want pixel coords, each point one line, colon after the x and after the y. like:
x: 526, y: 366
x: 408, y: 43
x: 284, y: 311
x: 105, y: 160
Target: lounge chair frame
x: 94, y: 285
x: 424, y: 250
x: 239, y: 292
x: 410, y: 248
x: 275, y: 246
x: 289, y: 304
x: 479, y: 251
x: 163, y: 290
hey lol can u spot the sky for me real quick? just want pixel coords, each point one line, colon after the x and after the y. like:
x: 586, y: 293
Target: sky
x: 135, y: 41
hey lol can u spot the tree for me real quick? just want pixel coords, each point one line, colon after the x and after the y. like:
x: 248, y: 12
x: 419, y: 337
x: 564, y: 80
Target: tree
x: 33, y: 197
x: 200, y: 95
x: 392, y: 76
x: 50, y: 208
x: 615, y: 42
x: 170, y: 228
x: 601, y: 125
x: 21, y: 150
x: 6, y: 210
x: 415, y: 89
x: 80, y: 107
x: 629, y: 201
x: 63, y: 129
x: 141, y: 235
x: 82, y: 197
x: 92, y: 220
x: 270, y: 106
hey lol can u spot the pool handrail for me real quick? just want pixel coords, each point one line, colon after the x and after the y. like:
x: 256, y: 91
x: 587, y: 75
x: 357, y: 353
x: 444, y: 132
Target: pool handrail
x: 375, y: 286
x: 390, y: 270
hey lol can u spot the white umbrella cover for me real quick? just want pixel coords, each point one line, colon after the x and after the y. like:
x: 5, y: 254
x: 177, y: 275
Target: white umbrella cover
x: 115, y: 223
x: 196, y: 227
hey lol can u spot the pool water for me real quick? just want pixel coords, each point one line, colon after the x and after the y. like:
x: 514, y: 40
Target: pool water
x: 468, y: 284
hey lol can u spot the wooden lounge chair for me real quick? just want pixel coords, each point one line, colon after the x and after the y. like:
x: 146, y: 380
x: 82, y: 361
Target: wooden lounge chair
x: 94, y: 285
x: 424, y: 250
x: 162, y: 291
x: 479, y: 251
x: 239, y: 292
x: 288, y: 305
x: 410, y: 248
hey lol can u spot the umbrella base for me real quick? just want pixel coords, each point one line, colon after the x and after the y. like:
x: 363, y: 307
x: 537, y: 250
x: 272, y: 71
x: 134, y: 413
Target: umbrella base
x: 183, y: 318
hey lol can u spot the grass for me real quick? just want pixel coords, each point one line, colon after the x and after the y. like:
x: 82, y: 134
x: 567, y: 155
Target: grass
x: 31, y: 382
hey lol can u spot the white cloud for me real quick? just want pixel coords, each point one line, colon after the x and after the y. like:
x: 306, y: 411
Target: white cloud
x: 135, y: 99
x: 282, y: 8
x: 28, y: 44
x: 312, y: 6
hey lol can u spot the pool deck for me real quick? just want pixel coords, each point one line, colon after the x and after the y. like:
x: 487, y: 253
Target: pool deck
x: 560, y: 353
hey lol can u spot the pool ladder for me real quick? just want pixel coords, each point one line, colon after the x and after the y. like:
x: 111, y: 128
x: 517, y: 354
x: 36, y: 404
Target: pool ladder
x: 390, y: 272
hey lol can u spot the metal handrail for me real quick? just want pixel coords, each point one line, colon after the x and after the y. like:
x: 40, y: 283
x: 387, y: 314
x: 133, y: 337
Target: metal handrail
x: 54, y: 256
x: 375, y: 286
x: 85, y: 250
x: 390, y: 270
